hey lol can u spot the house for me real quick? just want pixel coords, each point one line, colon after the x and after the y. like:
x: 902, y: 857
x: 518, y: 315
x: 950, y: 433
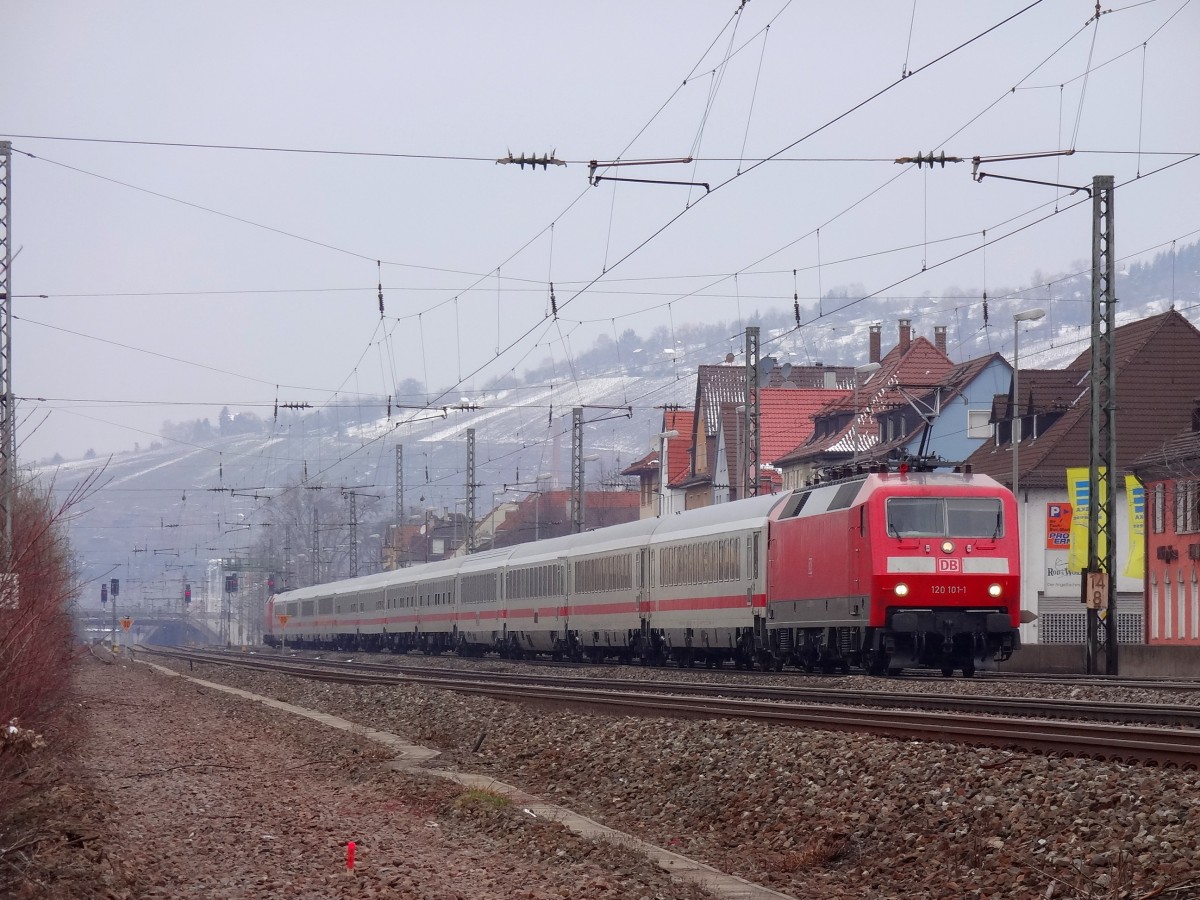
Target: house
x: 716, y: 386
x: 1157, y: 371
x: 547, y: 514
x: 906, y: 391
x: 1171, y: 476
x: 785, y: 419
x: 674, y: 449
x: 787, y: 396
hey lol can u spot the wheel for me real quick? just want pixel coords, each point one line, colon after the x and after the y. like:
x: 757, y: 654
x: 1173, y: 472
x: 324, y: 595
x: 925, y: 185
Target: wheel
x: 968, y: 671
x: 947, y: 673
x: 894, y: 672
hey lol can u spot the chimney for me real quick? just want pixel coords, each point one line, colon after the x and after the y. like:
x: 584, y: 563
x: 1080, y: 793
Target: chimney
x: 905, y: 335
x: 876, y: 349
x: 939, y: 337
x: 831, y: 378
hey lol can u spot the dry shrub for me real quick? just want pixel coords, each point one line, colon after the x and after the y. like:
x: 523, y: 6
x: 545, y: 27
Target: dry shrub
x: 482, y: 797
x: 37, y: 644
x: 819, y: 852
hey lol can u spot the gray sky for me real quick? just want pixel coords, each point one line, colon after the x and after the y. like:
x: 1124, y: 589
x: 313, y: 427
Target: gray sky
x: 153, y: 303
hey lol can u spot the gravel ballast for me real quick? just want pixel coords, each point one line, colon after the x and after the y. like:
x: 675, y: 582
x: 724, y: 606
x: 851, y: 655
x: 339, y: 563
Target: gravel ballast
x: 177, y: 791
x: 812, y: 814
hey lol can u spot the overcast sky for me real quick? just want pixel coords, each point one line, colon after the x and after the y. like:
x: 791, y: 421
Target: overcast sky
x: 165, y: 282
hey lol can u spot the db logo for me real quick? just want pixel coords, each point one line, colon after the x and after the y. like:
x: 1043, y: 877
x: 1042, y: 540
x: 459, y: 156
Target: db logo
x: 949, y: 565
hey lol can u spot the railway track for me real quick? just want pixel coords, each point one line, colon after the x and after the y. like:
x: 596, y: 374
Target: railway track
x: 948, y: 718
x: 1178, y: 716
x: 1146, y: 682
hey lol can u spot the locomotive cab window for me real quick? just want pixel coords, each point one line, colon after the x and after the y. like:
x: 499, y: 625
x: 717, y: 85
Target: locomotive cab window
x: 945, y: 517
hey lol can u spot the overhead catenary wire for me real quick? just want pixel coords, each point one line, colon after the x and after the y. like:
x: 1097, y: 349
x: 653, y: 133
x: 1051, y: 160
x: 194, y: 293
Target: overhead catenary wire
x: 927, y: 65
x: 739, y: 290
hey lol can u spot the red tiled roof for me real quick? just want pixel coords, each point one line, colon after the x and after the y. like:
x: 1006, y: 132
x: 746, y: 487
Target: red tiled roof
x: 786, y: 417
x: 922, y: 367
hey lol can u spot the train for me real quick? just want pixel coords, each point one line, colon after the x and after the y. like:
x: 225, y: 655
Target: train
x: 880, y: 570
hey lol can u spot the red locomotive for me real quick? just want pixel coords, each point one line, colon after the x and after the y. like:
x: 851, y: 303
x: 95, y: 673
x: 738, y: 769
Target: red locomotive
x: 881, y: 571
x: 896, y: 570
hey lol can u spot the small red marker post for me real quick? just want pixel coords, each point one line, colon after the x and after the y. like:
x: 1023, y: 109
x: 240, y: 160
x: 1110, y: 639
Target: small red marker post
x: 350, y: 855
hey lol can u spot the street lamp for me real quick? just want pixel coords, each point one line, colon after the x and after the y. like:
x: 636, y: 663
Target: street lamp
x: 663, y: 475
x: 1029, y: 315
x: 868, y: 369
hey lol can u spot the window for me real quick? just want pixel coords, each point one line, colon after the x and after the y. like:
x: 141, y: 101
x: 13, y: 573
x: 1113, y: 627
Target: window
x: 1160, y: 508
x: 979, y: 423
x: 944, y: 517
x: 479, y: 588
x: 605, y: 573
x: 1187, y: 507
x: 845, y: 495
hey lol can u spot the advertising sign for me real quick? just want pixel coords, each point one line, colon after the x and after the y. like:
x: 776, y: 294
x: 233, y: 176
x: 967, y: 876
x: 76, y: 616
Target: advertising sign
x: 1060, y: 580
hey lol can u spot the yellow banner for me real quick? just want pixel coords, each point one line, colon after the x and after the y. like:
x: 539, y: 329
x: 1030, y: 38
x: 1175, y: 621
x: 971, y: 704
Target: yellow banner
x: 1079, y: 490
x: 1135, y: 498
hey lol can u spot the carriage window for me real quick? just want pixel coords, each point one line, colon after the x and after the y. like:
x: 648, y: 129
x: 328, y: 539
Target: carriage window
x: 944, y: 517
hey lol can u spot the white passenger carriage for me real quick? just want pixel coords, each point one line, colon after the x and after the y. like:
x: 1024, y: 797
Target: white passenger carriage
x: 708, y: 590
x: 692, y: 585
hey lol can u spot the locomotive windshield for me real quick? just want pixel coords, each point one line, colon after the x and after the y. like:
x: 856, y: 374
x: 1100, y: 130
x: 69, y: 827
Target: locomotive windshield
x: 945, y: 517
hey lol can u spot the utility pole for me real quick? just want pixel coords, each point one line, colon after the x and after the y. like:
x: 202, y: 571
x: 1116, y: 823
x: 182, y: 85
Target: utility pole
x: 751, y: 441
x: 471, y: 485
x: 399, y: 484
x: 316, y: 550
x: 8, y: 444
x: 353, y: 532
x: 287, y: 558
x: 577, y: 470
x: 1102, y: 522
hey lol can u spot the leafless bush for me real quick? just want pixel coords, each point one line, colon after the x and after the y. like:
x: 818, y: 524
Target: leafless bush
x: 37, y: 646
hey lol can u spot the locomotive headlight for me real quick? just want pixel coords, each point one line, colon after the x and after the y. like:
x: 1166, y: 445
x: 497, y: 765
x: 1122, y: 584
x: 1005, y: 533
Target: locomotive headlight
x: 994, y: 590
x: 947, y: 546
x: 901, y: 590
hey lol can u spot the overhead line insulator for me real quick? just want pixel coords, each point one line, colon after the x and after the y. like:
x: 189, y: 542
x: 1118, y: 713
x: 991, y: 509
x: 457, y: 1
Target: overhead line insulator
x: 929, y: 159
x: 546, y: 159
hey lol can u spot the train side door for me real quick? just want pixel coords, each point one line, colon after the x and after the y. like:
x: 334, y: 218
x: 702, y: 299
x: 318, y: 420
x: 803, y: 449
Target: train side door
x: 562, y: 611
x: 861, y: 562
x: 643, y: 583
